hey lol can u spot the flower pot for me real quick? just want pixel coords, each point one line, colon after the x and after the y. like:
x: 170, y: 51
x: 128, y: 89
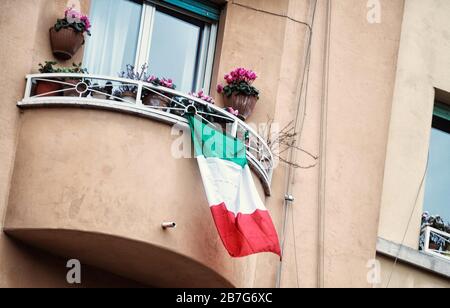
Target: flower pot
x: 99, y: 95
x: 129, y: 96
x: 65, y: 42
x: 156, y: 100
x: 433, y: 246
x: 72, y: 86
x: 43, y: 87
x: 244, y: 104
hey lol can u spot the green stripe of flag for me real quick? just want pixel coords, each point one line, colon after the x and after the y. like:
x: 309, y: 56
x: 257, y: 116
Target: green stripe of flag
x: 211, y: 142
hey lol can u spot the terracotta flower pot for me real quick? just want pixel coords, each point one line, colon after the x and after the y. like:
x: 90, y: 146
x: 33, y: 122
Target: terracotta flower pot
x: 156, y: 100
x: 129, y: 96
x: 433, y: 246
x: 99, y: 95
x: 243, y: 103
x: 43, y: 87
x: 73, y: 91
x: 65, y: 42
x: 76, y: 87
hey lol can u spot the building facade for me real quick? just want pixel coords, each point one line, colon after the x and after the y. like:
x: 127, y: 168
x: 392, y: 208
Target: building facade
x: 363, y: 84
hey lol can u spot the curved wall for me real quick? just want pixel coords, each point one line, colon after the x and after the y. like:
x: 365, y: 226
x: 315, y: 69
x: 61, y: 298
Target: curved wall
x: 101, y: 172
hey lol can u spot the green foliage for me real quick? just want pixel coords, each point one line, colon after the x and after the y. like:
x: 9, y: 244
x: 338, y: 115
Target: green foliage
x: 240, y: 88
x: 64, y: 24
x: 49, y: 67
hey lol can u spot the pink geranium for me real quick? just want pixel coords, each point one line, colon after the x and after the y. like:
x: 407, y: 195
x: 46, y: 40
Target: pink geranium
x: 72, y: 15
x: 219, y: 88
x: 232, y: 111
x: 239, y: 81
x: 86, y: 21
x: 240, y: 74
x: 203, y: 96
x: 75, y: 20
x: 163, y: 82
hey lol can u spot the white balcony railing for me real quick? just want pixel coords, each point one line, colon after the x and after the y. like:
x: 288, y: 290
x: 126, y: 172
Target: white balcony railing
x: 436, y: 242
x: 83, y: 90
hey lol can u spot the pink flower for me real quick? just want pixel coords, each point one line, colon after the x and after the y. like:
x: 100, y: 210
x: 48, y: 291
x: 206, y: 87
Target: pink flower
x: 240, y: 74
x: 219, y: 88
x: 232, y: 111
x: 201, y: 95
x: 168, y: 83
x: 251, y: 76
x: 72, y: 15
x: 86, y: 21
x: 67, y: 10
x: 229, y: 78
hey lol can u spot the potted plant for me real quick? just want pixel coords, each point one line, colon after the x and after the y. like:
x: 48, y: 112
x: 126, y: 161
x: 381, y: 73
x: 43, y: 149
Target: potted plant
x: 102, y: 92
x: 47, y: 88
x: 67, y: 35
x: 239, y: 93
x: 436, y: 222
x: 128, y: 92
x: 154, y: 99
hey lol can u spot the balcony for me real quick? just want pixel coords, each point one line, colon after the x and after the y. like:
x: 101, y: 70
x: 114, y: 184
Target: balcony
x: 94, y: 179
x: 435, y: 242
x: 86, y: 92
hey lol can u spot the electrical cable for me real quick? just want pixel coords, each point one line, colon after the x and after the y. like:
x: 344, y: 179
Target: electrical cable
x: 289, y: 176
x: 273, y: 14
x: 422, y: 182
x: 305, y: 75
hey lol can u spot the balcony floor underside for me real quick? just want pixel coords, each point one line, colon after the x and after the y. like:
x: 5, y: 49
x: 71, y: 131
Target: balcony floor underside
x: 139, y: 261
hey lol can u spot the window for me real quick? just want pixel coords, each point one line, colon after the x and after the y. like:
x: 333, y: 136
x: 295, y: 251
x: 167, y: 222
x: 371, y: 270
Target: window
x: 437, y: 192
x: 176, y: 38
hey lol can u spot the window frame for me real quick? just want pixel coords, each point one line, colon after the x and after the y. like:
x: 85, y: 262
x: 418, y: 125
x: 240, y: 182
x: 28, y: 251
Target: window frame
x: 207, y: 46
x: 441, y: 117
x: 440, y: 122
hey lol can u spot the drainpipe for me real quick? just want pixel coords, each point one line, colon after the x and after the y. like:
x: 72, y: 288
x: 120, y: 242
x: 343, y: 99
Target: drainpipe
x: 288, y: 198
x: 323, y: 152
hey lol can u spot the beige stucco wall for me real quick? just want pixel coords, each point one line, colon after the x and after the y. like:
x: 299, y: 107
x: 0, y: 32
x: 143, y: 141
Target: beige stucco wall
x: 353, y: 133
x: 407, y: 276
x: 362, y: 73
x: 24, y: 39
x: 422, y: 66
x: 277, y: 55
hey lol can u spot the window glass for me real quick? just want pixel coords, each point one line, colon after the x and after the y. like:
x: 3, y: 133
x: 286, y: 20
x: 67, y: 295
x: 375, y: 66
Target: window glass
x: 174, y: 49
x: 173, y: 39
x: 437, y: 192
x: 115, y: 34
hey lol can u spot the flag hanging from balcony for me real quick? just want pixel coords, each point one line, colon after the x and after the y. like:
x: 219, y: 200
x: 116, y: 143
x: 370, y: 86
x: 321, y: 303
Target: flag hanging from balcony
x: 243, y: 222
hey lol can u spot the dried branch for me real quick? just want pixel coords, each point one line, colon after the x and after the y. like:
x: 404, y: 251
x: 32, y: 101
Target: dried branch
x: 284, y: 141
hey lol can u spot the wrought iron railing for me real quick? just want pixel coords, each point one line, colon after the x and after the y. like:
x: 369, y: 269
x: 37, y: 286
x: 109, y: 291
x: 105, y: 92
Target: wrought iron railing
x: 435, y: 242
x: 145, y: 99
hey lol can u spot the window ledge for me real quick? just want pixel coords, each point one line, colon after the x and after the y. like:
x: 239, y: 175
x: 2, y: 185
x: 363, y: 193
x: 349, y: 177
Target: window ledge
x: 414, y: 257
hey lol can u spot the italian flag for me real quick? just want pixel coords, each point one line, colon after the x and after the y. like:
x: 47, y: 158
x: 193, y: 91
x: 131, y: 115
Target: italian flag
x: 243, y: 222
